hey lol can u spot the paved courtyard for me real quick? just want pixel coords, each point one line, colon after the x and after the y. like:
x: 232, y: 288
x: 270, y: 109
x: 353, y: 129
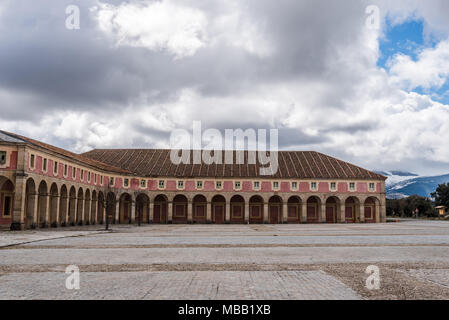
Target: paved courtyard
x: 228, y: 261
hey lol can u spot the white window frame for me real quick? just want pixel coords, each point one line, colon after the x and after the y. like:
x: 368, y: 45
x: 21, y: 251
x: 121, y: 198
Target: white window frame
x: 66, y: 170
x: 126, y: 182
x: 256, y: 187
x: 55, y: 168
x: 74, y: 173
x: 199, y: 187
x: 159, y: 184
x: 219, y: 187
x: 32, y: 161
x: 44, y: 165
x: 294, y: 188
x: 183, y: 185
x: 237, y: 187
x: 144, y: 183
x: 278, y: 185
x: 352, y: 189
x: 330, y: 186
x: 314, y: 188
x: 374, y: 186
x: 112, y: 181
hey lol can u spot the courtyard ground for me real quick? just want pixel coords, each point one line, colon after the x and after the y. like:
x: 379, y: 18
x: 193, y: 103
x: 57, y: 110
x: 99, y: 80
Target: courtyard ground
x: 228, y: 261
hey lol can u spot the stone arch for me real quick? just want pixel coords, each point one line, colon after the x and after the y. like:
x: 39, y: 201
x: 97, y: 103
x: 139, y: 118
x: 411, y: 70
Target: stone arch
x: 42, y: 206
x: 256, y: 205
x: 332, y: 209
x: 371, y: 207
x: 63, y: 199
x: 218, y: 204
x: 142, y: 208
x: 180, y: 209
x: 30, y: 204
x: 94, y: 208
x: 125, y: 208
x: 199, y: 209
x: 54, y: 203
x: 294, y: 209
x: 237, y: 214
x: 313, y: 209
x: 6, y: 200
x: 87, y: 203
x: 275, y: 210
x: 80, y: 207
x: 72, y: 206
x: 160, y: 212
x: 352, y: 209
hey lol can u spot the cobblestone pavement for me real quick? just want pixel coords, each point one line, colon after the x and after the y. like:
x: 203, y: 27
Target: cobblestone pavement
x: 242, y: 261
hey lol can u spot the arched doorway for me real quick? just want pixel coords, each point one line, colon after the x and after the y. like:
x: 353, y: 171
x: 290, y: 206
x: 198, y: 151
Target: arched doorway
x: 370, y: 210
x: 294, y: 210
x: 237, y: 209
x: 142, y: 208
x: 275, y: 210
x: 6, y: 201
x: 313, y: 209
x: 54, y: 205
x: 125, y: 208
x: 72, y: 206
x: 101, y: 205
x: 179, y: 209
x: 63, y: 206
x: 218, y: 209
x: 351, y: 210
x: 199, y: 207
x: 42, y: 205
x: 80, y: 207
x: 30, y: 204
x: 332, y: 208
x: 160, y: 209
x: 256, y: 209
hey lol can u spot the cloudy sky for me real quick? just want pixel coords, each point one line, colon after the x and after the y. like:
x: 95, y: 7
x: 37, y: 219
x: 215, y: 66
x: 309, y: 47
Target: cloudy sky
x: 319, y: 71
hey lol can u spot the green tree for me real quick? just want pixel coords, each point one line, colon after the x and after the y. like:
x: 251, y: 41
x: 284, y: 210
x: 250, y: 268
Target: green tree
x: 441, y: 195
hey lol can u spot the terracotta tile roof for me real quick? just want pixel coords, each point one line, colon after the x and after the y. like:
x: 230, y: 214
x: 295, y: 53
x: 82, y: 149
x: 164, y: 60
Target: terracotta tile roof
x: 88, y: 161
x: 292, y: 164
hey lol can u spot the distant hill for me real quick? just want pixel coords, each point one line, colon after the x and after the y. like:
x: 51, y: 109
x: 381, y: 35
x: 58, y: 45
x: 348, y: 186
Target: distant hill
x: 403, y: 184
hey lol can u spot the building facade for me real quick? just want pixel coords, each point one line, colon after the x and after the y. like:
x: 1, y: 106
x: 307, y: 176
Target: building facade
x: 45, y: 186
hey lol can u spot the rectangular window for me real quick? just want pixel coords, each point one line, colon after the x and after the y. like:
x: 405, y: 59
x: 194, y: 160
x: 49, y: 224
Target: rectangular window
x: 32, y: 161
x: 55, y: 167
x: 218, y: 185
x: 101, y: 180
x: 111, y: 181
x: 161, y: 184
x: 44, y: 165
x: 66, y: 170
x: 372, y: 187
x: 7, y: 205
x: 88, y: 176
x: 333, y: 186
x: 2, y: 157
x: 237, y: 185
x: 143, y: 183
x: 275, y: 185
x: 199, y: 184
x: 73, y: 173
x: 180, y: 184
x: 352, y: 186
x: 256, y: 185
x: 294, y: 185
x: 313, y: 185
x: 126, y: 182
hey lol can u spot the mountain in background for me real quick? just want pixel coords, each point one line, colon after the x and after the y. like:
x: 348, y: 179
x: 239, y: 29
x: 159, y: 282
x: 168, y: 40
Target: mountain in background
x: 401, y: 184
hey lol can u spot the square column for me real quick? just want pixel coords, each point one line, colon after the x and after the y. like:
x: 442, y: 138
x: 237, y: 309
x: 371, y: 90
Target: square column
x: 284, y: 212
x: 362, y: 212
x: 189, y: 211
x: 18, y: 214
x: 304, y: 212
x: 208, y: 212
x: 342, y: 212
x: 228, y: 212
x: 151, y: 213
x: 117, y: 212
x: 133, y: 212
x: 246, y: 213
x: 323, y: 213
x: 170, y: 212
x: 265, y: 212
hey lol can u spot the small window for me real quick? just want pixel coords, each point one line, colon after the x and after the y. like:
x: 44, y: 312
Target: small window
x: 44, y: 165
x: 101, y: 180
x: 55, y: 167
x: 111, y: 181
x: 73, y: 173
x: 256, y: 185
x: 180, y: 184
x: 82, y: 174
x: 275, y: 185
x: 199, y: 184
x: 32, y: 161
x: 161, y: 184
x: 333, y: 186
x: 237, y: 185
x: 95, y: 178
x: 66, y: 170
x: 372, y: 187
x: 126, y: 182
x: 294, y: 185
x: 218, y: 185
x: 2, y: 157
x: 352, y: 186
x: 7, y: 206
x: 313, y: 185
x: 143, y: 183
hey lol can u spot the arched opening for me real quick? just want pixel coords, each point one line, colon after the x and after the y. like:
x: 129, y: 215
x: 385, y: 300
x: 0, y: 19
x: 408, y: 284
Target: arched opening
x: 87, y: 207
x: 180, y: 209
x: 275, y: 210
x: 237, y: 209
x: 294, y: 210
x: 54, y: 201
x: 352, y: 206
x: 80, y: 207
x: 142, y: 208
x: 125, y: 208
x: 94, y: 208
x: 63, y: 206
x: 160, y: 209
x: 199, y: 206
x: 218, y: 209
x: 72, y: 206
x: 6, y: 201
x: 256, y: 209
x: 110, y: 207
x: 42, y: 205
x: 332, y: 209
x: 313, y: 209
x: 30, y: 204
x: 371, y: 211
x: 101, y: 206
